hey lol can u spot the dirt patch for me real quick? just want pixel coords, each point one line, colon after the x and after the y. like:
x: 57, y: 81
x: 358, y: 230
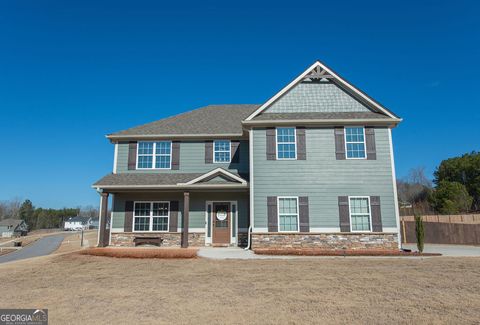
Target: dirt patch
x: 142, y: 252
x: 73, y: 242
x: 356, y: 252
x: 83, y: 289
x: 4, y: 251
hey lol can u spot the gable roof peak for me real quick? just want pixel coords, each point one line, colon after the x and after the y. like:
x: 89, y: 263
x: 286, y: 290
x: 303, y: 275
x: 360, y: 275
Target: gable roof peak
x: 320, y: 71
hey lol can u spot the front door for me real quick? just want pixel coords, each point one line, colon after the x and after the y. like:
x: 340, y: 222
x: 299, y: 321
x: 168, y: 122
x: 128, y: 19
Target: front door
x: 221, y: 223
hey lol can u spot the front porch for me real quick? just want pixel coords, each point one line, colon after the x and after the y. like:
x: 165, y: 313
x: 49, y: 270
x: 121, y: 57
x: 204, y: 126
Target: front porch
x: 175, y: 218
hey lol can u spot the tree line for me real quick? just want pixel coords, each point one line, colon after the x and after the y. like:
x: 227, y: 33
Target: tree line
x: 455, y: 187
x: 41, y: 218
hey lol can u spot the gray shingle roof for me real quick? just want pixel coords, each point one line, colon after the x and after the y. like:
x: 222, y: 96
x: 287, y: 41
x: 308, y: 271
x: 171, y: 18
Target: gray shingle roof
x: 150, y: 179
x: 10, y: 222
x: 319, y: 115
x: 212, y: 119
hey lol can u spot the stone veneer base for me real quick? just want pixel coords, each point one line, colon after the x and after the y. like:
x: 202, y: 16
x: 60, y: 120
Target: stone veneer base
x: 170, y: 239
x: 327, y: 241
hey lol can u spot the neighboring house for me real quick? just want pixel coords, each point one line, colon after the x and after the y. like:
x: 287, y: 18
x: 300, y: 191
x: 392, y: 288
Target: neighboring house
x: 311, y: 167
x: 93, y: 223
x: 77, y: 223
x: 13, y: 228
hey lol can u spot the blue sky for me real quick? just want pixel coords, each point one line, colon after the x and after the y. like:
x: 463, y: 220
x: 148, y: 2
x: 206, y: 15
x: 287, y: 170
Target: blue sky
x: 73, y: 71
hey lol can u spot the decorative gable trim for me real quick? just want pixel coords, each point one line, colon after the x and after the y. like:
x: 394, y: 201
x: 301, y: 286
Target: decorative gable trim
x: 318, y: 70
x: 214, y: 173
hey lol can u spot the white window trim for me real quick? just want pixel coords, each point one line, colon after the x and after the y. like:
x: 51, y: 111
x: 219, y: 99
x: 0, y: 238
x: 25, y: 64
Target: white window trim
x: 229, y: 150
x: 364, y: 142
x: 278, y: 213
x: 150, y: 227
x: 154, y: 158
x: 295, y: 141
x: 369, y: 212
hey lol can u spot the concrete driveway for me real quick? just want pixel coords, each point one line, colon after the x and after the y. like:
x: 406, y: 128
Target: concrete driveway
x: 448, y: 250
x: 43, y: 246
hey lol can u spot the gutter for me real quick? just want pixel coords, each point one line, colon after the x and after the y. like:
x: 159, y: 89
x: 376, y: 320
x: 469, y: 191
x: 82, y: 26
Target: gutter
x: 329, y: 122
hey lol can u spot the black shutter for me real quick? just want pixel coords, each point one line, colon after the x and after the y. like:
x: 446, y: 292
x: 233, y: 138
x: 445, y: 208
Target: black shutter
x: 271, y: 144
x: 344, y: 213
x: 340, y: 143
x: 235, y: 151
x: 132, y: 155
x: 272, y: 214
x: 173, y: 226
x: 304, y: 218
x: 376, y: 214
x: 370, y: 143
x: 127, y: 226
x: 209, y: 152
x: 175, y: 155
x: 301, y: 144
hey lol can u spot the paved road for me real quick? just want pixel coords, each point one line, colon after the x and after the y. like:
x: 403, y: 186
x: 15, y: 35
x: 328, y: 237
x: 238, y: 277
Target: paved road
x: 43, y: 246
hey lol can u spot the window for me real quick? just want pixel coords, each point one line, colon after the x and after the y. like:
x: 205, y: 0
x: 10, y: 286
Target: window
x: 151, y: 216
x: 154, y: 155
x: 355, y: 142
x: 286, y: 143
x: 360, y: 213
x: 288, y: 214
x: 221, y: 151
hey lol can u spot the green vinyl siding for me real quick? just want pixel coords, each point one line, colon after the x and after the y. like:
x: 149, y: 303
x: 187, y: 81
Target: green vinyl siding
x: 323, y: 178
x: 308, y: 97
x: 192, y: 159
x: 197, y: 205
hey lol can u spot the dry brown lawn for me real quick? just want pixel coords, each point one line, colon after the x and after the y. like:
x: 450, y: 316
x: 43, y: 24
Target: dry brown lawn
x: 80, y: 289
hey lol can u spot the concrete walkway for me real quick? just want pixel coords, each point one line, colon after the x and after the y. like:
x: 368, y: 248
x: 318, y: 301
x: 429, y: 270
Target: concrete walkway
x: 448, y: 250
x: 42, y: 246
x: 224, y: 253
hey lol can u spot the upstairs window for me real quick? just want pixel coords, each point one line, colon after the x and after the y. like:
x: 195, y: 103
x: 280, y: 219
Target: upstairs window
x: 286, y: 144
x: 151, y: 216
x: 355, y: 142
x: 154, y: 155
x: 221, y: 151
x: 360, y: 216
x: 288, y: 214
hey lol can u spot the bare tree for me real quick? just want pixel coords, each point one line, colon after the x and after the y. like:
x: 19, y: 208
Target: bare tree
x: 414, y: 189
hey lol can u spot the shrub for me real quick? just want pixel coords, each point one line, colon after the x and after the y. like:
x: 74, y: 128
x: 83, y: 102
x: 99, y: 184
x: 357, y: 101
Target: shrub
x: 419, y: 232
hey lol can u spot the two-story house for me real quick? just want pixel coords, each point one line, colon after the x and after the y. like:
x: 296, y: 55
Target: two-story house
x: 312, y: 167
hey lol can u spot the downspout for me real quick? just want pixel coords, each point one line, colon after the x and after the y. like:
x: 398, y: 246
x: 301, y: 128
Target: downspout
x: 250, y: 162
x: 249, y: 235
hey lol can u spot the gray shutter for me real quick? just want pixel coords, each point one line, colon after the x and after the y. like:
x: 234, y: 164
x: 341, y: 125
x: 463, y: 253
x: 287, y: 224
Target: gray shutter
x: 376, y: 214
x: 271, y: 144
x: 209, y: 152
x: 173, y: 226
x: 127, y: 225
x: 301, y: 144
x: 132, y: 155
x: 303, y: 212
x: 272, y: 214
x: 370, y: 143
x: 344, y: 213
x: 175, y: 155
x: 235, y: 151
x: 340, y: 143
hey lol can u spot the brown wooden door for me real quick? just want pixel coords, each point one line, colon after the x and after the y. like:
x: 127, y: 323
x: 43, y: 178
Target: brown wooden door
x: 221, y: 223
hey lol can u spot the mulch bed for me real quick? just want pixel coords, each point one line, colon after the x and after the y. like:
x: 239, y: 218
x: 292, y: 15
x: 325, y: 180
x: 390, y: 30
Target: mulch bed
x: 320, y: 252
x: 165, y: 253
